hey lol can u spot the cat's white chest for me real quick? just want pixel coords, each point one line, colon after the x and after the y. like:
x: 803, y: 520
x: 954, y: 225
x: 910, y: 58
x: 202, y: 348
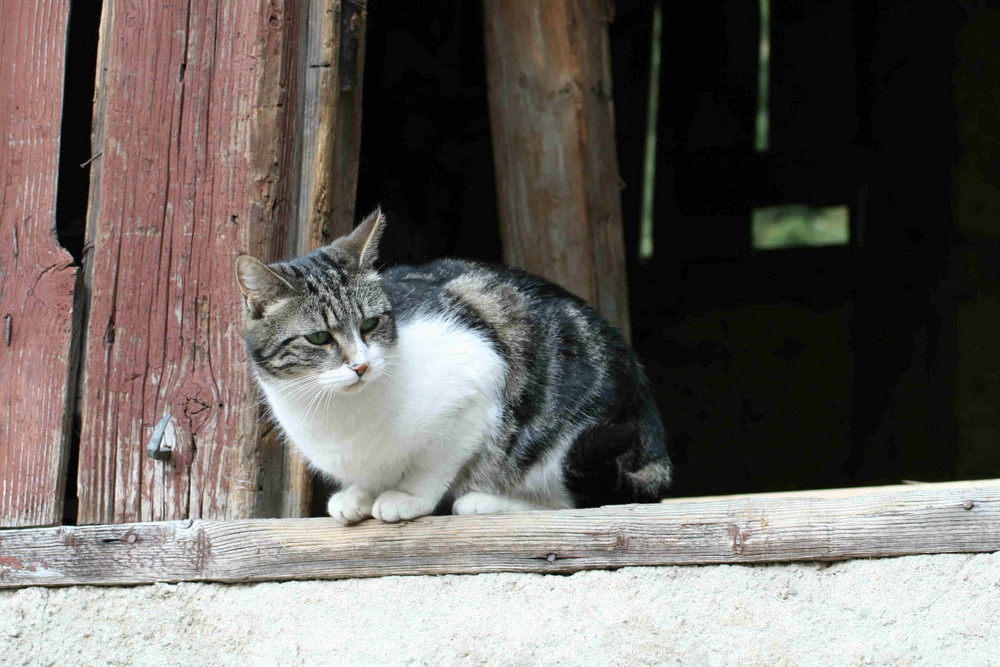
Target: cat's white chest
x: 439, y: 382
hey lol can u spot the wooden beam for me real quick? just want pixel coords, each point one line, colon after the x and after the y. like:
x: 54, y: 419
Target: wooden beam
x: 330, y: 144
x: 548, y: 68
x: 741, y: 530
x: 195, y: 119
x: 37, y: 276
x: 331, y: 128
x: 847, y: 492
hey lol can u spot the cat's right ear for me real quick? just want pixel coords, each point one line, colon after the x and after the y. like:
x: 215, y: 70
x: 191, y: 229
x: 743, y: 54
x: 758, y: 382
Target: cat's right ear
x: 260, y: 285
x: 361, y: 246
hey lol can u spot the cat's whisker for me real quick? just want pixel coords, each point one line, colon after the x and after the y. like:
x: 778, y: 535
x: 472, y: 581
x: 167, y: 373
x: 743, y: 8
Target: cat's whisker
x: 290, y: 395
x: 314, y: 404
x: 286, y: 389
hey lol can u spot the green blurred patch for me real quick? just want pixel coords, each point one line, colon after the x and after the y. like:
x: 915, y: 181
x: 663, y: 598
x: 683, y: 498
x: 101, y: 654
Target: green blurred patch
x: 798, y: 225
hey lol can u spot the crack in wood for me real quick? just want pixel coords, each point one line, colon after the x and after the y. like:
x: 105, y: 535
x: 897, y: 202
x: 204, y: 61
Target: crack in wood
x: 109, y: 331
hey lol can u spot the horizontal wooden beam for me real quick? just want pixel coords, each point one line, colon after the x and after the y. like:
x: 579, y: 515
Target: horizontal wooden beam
x: 848, y: 491
x: 741, y: 530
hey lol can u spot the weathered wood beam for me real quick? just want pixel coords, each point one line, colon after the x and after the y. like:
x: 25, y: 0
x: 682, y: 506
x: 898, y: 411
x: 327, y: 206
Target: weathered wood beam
x: 548, y: 68
x: 37, y: 276
x: 195, y: 119
x: 330, y: 144
x: 741, y: 530
x: 848, y: 491
x: 331, y: 126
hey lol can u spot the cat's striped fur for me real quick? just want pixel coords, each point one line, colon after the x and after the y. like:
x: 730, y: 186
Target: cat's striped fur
x: 481, y: 386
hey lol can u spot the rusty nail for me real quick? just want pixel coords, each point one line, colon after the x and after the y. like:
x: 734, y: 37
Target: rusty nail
x: 156, y: 450
x: 93, y: 157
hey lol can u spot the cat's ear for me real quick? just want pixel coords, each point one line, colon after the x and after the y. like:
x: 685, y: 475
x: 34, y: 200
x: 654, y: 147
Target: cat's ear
x: 361, y: 245
x: 260, y: 285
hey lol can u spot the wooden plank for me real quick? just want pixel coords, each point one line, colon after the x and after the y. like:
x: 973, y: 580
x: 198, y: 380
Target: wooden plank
x: 196, y: 119
x: 37, y: 277
x: 743, y: 530
x: 552, y: 118
x: 333, y: 72
x: 331, y: 133
x: 848, y: 492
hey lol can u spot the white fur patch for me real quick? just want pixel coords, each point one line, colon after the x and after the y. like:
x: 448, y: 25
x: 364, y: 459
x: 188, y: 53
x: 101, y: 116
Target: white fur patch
x: 423, y: 409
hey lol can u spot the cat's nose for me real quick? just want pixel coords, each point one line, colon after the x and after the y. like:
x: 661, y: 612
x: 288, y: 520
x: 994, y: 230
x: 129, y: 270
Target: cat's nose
x: 359, y: 368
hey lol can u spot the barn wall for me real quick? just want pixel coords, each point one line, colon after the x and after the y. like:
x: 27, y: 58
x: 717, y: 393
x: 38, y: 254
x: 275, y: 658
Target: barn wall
x: 933, y: 610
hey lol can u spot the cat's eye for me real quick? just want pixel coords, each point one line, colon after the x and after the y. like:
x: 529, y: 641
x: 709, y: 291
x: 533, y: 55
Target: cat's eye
x: 319, y: 338
x: 369, y: 324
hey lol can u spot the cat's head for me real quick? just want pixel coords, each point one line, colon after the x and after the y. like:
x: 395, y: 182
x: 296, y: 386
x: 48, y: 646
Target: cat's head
x: 321, y: 320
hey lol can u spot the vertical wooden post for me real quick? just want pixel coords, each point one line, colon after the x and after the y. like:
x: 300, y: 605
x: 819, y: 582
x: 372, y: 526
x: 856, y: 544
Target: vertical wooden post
x: 332, y: 71
x: 331, y: 128
x: 36, y: 275
x: 195, y: 118
x: 552, y: 117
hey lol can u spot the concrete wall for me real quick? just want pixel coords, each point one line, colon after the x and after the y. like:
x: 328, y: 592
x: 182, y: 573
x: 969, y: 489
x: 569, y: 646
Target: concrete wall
x: 919, y: 610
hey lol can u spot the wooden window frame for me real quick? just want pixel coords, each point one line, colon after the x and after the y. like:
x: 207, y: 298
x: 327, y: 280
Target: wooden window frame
x: 830, y: 525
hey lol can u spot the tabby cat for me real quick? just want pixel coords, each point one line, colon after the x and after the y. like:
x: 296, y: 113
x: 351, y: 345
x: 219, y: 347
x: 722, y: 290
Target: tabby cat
x: 454, y: 383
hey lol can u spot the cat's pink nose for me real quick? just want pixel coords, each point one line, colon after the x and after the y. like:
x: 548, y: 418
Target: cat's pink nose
x: 359, y: 368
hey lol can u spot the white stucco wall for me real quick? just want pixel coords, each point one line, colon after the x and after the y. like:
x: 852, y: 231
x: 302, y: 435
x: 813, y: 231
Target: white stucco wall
x: 920, y: 610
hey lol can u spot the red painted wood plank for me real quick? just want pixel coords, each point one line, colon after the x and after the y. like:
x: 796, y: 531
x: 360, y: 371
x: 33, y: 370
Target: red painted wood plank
x: 36, y: 274
x: 197, y: 144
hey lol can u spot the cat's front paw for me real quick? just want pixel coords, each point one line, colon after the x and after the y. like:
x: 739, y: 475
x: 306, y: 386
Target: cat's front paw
x: 393, y: 506
x: 350, y: 505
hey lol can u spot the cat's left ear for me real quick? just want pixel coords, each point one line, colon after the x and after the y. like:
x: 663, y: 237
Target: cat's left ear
x: 361, y: 245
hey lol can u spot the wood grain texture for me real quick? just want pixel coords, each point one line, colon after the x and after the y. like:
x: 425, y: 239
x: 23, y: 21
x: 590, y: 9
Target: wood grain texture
x: 194, y: 111
x: 331, y: 128
x: 745, y: 530
x: 36, y: 274
x: 552, y: 118
x: 333, y: 44
x: 848, y: 491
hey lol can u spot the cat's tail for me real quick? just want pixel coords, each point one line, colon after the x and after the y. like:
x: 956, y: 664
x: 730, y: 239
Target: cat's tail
x: 621, y: 461
x: 646, y: 471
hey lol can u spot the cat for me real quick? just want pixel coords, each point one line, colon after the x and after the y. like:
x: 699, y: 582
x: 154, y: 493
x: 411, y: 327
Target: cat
x: 457, y: 382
